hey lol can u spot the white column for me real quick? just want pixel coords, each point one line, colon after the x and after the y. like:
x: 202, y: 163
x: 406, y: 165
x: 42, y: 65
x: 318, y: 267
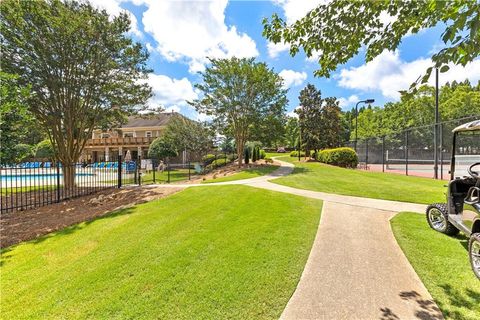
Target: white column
x: 139, y: 149
x: 107, y: 153
x: 120, y: 151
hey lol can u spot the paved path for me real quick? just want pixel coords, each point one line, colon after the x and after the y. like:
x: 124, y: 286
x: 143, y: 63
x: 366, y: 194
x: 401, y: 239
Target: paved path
x: 355, y: 270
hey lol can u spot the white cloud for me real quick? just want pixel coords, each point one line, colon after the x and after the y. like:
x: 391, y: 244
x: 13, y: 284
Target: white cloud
x: 192, y: 31
x: 345, y: 102
x: 388, y: 73
x: 173, y: 108
x: 274, y: 49
x: 292, y: 113
x: 292, y: 78
x: 170, y: 93
x: 114, y: 9
x: 296, y: 9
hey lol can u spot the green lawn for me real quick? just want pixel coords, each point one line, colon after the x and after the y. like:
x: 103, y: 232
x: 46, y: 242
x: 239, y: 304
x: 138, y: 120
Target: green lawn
x: 320, y: 177
x: 245, y: 174
x: 226, y: 252
x: 442, y: 264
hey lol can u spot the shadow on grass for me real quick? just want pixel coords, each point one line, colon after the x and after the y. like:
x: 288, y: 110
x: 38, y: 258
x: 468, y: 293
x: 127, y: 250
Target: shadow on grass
x: 65, y: 231
x: 467, y: 300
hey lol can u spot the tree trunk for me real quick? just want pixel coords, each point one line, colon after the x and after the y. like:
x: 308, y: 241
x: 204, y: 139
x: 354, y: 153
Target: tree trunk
x: 68, y: 177
x: 240, y: 149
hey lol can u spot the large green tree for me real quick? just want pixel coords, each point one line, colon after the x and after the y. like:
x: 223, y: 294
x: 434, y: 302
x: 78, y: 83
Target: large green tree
x: 82, y: 68
x: 310, y: 117
x: 337, y: 30
x: 240, y: 94
x: 291, y: 132
x: 15, y: 119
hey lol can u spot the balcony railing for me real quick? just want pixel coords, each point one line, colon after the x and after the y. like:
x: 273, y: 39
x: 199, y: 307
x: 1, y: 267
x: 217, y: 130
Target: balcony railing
x: 127, y: 141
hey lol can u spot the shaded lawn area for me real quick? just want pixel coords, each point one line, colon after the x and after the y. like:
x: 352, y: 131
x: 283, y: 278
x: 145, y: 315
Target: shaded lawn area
x: 442, y: 264
x: 320, y: 177
x: 206, y: 253
x: 246, y: 174
x: 277, y: 154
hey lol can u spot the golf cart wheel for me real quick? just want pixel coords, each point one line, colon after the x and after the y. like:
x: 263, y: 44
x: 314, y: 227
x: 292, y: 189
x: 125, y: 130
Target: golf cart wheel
x: 437, y: 218
x: 474, y: 253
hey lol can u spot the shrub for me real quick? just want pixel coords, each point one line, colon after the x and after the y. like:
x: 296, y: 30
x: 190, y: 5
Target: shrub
x: 254, y: 154
x: 268, y: 160
x: 209, y: 158
x: 263, y: 154
x: 295, y: 154
x: 342, y: 157
x: 247, y: 155
x: 220, y: 162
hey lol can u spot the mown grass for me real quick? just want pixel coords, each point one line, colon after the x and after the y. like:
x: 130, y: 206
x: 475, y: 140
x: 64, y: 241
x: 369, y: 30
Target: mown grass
x: 442, y: 264
x: 320, y: 177
x: 245, y: 174
x: 226, y: 252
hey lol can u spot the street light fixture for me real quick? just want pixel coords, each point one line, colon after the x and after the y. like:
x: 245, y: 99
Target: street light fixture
x: 369, y: 101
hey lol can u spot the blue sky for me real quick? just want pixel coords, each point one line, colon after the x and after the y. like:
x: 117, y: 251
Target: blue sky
x: 180, y: 34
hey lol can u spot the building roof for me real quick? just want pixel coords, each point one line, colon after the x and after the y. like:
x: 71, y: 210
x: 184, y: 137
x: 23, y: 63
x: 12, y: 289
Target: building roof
x: 157, y: 120
x: 470, y: 126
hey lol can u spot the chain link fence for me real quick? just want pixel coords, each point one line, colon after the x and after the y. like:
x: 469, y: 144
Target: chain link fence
x: 410, y: 152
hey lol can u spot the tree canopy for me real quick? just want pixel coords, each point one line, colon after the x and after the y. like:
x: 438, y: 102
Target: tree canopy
x: 338, y: 29
x: 240, y: 94
x: 14, y: 118
x: 82, y: 69
x: 456, y: 100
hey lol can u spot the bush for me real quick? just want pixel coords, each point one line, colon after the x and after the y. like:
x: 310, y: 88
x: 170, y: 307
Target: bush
x: 268, y: 160
x: 295, y: 154
x: 220, y: 162
x: 247, y: 155
x: 254, y: 154
x: 209, y: 158
x: 263, y: 154
x: 342, y: 157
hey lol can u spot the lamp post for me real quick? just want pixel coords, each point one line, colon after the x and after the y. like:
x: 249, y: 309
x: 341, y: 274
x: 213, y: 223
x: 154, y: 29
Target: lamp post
x: 356, y: 117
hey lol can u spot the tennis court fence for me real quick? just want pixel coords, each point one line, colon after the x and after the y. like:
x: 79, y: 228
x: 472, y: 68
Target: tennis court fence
x: 412, y: 151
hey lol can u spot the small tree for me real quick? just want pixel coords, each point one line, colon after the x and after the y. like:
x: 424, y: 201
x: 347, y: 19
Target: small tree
x: 162, y: 148
x: 240, y: 94
x: 254, y: 155
x: 246, y: 155
x: 310, y: 117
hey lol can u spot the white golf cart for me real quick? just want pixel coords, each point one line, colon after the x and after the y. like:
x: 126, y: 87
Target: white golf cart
x: 462, y: 210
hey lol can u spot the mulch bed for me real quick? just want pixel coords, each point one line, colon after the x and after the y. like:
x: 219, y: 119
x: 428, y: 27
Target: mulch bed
x: 19, y: 226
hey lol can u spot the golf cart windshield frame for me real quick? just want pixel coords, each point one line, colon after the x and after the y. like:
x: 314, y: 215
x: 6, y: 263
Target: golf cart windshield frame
x: 470, y: 126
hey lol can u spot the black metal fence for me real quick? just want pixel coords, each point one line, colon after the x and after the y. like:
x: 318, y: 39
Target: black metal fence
x: 411, y: 152
x: 36, y: 183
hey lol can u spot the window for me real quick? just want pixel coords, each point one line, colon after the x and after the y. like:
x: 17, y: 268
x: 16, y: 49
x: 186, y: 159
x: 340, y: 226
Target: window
x: 105, y: 135
x: 128, y: 134
x: 148, y: 134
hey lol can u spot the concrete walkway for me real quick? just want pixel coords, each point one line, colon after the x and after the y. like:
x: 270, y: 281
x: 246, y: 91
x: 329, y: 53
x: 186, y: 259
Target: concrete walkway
x: 355, y: 270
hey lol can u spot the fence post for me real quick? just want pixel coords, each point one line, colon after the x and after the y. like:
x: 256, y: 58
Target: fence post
x: 154, y: 168
x: 139, y: 161
x: 168, y: 172
x: 58, y: 181
x: 441, y: 149
x: 366, y: 154
x: 406, y: 152
x: 383, y: 153
x: 119, y: 182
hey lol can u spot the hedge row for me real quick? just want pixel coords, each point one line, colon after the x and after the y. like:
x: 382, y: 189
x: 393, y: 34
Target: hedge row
x: 342, y: 157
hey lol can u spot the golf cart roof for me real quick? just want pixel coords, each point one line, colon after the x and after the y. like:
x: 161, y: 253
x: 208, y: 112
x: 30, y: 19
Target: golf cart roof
x: 470, y: 126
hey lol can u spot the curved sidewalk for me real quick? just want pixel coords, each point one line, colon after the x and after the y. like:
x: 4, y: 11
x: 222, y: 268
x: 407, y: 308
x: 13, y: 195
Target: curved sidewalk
x: 355, y: 269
